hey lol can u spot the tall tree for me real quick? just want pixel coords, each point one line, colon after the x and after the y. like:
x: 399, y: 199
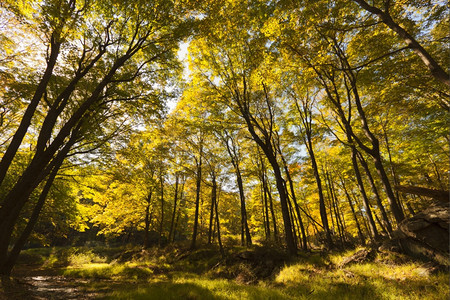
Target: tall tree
x: 118, y: 53
x: 385, y: 16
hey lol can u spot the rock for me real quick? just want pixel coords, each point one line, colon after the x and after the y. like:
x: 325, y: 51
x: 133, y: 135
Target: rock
x: 389, y: 245
x: 359, y: 257
x: 426, y: 235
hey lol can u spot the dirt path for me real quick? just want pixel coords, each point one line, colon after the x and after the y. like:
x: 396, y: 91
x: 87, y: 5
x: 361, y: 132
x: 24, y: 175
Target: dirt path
x: 58, y: 287
x: 54, y: 287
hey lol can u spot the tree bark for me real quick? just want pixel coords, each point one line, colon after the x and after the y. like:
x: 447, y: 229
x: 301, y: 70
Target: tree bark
x: 233, y: 152
x: 322, y: 208
x: 386, y: 222
x: 368, y: 211
x: 219, y: 239
x: 294, y: 199
x: 197, y: 197
x: 147, y: 219
x: 7, y: 261
x: 263, y: 179
x: 175, y: 200
x: 360, y: 234
x: 182, y: 202
x: 436, y: 70
x: 161, y: 224
x: 266, y: 146
x: 333, y: 200
x: 39, y: 166
x: 244, y: 222
x: 374, y: 152
x: 272, y: 212
x: 213, y: 202
x: 17, y: 139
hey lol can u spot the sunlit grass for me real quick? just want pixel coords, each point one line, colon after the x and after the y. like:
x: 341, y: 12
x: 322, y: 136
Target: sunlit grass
x: 374, y: 280
x: 154, y: 274
x: 108, y: 271
x: 198, y: 288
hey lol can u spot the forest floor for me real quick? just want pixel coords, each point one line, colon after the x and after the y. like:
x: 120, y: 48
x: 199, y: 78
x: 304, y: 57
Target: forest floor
x: 254, y: 273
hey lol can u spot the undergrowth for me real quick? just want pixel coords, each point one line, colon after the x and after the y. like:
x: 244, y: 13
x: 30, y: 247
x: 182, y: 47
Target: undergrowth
x: 256, y: 273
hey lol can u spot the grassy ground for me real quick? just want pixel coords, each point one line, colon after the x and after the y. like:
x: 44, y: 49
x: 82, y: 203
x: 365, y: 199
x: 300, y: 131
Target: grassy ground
x: 257, y: 273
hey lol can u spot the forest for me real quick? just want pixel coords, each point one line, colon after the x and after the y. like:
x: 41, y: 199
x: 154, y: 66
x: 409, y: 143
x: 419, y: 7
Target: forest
x: 224, y: 149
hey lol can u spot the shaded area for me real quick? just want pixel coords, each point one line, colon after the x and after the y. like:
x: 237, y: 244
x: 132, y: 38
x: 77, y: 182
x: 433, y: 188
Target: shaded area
x: 171, y: 273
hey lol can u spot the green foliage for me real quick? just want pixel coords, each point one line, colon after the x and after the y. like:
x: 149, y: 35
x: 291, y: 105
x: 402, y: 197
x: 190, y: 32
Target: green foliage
x: 254, y: 63
x: 165, y: 272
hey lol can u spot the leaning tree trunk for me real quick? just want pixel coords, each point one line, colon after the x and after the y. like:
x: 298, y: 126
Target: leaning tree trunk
x: 17, y: 139
x: 292, y: 249
x: 386, y: 222
x: 322, y: 208
x: 372, y: 226
x: 374, y: 152
x: 333, y: 201
x: 436, y: 70
x: 297, y: 209
x: 360, y: 234
x: 7, y: 266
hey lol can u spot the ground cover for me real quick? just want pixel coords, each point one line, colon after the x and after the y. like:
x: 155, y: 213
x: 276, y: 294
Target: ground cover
x: 255, y: 273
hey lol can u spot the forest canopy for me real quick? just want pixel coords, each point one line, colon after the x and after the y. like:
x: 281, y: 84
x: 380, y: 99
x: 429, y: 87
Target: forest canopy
x: 228, y: 121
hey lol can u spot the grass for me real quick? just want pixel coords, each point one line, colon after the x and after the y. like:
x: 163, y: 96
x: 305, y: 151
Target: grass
x: 176, y: 274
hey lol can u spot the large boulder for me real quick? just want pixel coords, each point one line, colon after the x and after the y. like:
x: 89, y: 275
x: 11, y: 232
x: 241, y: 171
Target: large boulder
x: 426, y: 234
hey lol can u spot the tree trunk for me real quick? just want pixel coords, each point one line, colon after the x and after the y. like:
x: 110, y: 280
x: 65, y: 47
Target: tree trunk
x: 265, y: 193
x: 197, y: 199
x: 381, y: 225
x: 374, y: 152
x: 267, y: 147
x: 360, y: 234
x: 17, y: 139
x: 17, y: 197
x: 213, y: 202
x: 436, y: 70
x: 322, y: 208
x: 175, y: 200
x: 373, y: 228
x: 6, y: 268
x: 7, y: 261
x: 359, y: 205
x: 41, y: 164
x: 272, y: 212
x: 264, y: 212
x: 179, y: 210
x: 233, y: 152
x: 244, y: 222
x: 386, y: 222
x: 161, y: 224
x: 333, y: 200
x: 147, y: 219
x: 219, y: 239
x: 297, y: 209
x: 292, y: 249
x: 295, y: 229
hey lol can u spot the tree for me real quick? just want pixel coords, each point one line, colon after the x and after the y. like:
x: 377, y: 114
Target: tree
x: 385, y: 16
x: 128, y: 51
x: 233, y: 150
